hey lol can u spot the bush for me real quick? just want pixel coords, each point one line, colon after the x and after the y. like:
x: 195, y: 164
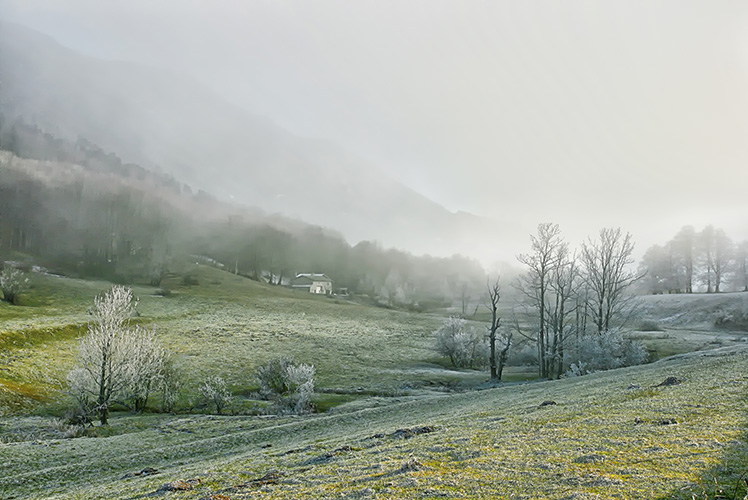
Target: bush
x: 649, y: 325
x: 465, y: 347
x: 289, y: 384
x: 215, y: 391
x: 189, y: 280
x: 171, y: 384
x: 523, y: 354
x: 606, y: 351
x: 13, y: 282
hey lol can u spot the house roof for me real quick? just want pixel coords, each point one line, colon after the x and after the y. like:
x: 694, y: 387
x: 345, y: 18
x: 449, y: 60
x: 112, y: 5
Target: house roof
x: 313, y: 277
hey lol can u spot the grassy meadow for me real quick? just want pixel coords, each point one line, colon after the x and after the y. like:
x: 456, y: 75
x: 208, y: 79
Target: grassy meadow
x: 616, y: 434
x: 394, y: 420
x: 227, y: 325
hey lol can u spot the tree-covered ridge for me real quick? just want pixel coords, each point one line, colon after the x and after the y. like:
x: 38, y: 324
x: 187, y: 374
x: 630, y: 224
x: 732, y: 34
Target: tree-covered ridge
x: 85, y: 212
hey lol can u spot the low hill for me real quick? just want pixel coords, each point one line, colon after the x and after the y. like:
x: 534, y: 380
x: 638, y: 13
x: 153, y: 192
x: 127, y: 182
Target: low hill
x: 725, y: 311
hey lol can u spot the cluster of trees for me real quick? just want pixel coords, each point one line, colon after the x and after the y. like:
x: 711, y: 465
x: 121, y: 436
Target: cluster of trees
x: 83, y: 211
x: 570, y: 295
x: 122, y: 364
x: 696, y: 261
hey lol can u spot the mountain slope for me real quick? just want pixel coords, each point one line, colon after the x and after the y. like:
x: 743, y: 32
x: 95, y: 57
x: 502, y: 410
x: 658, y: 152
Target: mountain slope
x: 162, y: 119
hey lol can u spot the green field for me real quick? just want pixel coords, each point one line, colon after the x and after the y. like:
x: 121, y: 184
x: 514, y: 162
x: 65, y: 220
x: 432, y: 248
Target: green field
x: 394, y: 421
x: 610, y: 435
x: 228, y: 325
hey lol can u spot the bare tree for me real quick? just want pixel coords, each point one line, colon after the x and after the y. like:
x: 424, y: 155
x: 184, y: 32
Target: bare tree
x: 562, y: 305
x: 663, y: 266
x: 683, y: 247
x: 741, y: 266
x: 535, y: 284
x: 606, y: 264
x: 706, y: 246
x: 497, y: 366
x: 723, y: 251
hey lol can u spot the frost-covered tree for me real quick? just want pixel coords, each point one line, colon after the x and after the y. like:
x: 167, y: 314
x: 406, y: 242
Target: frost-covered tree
x: 301, y: 387
x: 596, y: 352
x: 548, y: 250
x: 116, y: 362
x: 290, y: 384
x: 145, y: 367
x: 461, y: 343
x: 13, y: 282
x: 215, y: 391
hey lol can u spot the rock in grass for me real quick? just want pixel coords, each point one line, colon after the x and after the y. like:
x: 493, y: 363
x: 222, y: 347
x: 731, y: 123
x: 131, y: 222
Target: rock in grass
x: 148, y: 471
x: 326, y: 457
x: 670, y: 381
x: 548, y: 403
x: 413, y: 431
x: 667, y: 421
x: 271, y: 477
x: 179, y: 485
x: 411, y: 465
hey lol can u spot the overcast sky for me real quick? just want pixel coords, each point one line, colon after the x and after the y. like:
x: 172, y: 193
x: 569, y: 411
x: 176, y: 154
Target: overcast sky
x: 589, y: 114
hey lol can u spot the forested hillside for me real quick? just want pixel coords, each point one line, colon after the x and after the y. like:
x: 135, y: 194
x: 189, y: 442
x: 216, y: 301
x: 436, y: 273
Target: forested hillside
x: 83, y: 211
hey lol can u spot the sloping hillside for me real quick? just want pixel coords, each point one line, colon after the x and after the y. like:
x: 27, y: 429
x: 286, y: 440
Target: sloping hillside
x: 619, y: 434
x: 725, y: 311
x: 165, y: 120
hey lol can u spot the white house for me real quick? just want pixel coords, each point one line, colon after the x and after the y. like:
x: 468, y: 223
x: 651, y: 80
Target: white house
x: 312, y: 283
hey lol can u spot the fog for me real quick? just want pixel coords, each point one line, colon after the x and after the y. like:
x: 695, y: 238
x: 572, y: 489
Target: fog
x: 588, y: 114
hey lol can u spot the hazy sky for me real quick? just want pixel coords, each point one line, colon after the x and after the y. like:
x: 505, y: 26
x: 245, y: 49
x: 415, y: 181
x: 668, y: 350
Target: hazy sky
x: 589, y: 114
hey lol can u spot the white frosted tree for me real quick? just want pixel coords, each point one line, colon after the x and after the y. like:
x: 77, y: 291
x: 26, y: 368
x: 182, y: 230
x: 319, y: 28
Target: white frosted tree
x: 216, y: 392
x: 13, y: 282
x: 115, y: 361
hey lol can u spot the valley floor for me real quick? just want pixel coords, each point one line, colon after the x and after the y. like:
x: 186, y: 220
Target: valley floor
x: 616, y: 434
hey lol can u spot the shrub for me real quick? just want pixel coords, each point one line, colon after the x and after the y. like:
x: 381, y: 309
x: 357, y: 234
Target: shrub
x: 606, y: 351
x: 215, y: 391
x: 13, y: 282
x: 465, y: 347
x: 171, y: 384
x: 189, y: 280
x: 523, y: 354
x: 649, y: 325
x: 289, y: 384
